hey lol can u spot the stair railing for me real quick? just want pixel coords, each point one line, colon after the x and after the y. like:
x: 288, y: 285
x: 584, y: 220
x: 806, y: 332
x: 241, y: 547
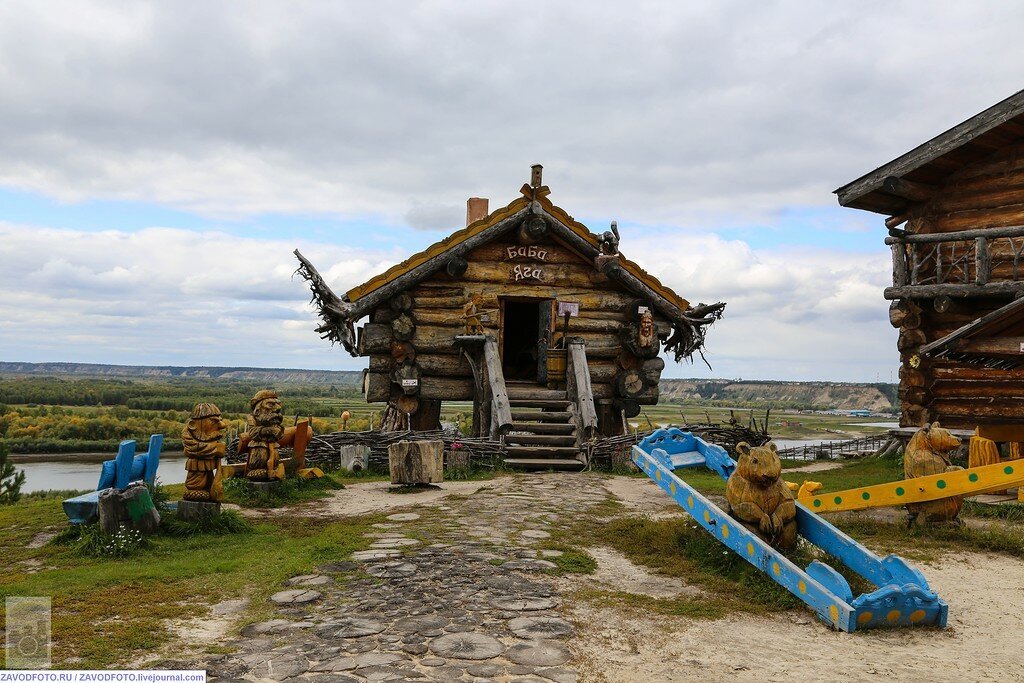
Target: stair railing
x: 580, y: 392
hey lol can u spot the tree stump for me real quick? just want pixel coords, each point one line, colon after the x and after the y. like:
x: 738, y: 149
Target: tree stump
x: 457, y: 459
x: 132, y: 508
x: 197, y: 510
x: 354, y: 458
x: 416, y: 462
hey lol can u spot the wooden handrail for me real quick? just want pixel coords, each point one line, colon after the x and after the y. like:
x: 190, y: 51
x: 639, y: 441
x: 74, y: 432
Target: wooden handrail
x: 580, y: 391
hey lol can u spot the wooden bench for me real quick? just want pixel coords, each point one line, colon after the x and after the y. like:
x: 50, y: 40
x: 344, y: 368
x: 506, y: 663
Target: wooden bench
x: 118, y: 473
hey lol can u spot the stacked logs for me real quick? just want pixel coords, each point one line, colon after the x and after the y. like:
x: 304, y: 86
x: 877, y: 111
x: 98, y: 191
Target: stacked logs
x: 914, y: 395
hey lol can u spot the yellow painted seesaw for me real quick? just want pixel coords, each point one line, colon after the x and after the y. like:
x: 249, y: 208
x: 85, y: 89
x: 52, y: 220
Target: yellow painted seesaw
x: 967, y: 482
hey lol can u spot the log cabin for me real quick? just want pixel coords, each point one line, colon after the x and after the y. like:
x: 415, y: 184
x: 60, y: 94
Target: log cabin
x: 554, y: 335
x: 954, y: 210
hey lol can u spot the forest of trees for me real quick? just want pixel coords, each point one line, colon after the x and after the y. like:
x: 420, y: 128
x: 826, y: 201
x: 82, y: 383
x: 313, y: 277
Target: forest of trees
x: 55, y: 415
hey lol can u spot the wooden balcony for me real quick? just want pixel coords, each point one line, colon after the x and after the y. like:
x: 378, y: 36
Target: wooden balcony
x: 967, y: 263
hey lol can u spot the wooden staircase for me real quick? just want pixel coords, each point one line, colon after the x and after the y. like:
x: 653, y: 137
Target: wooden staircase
x: 544, y: 433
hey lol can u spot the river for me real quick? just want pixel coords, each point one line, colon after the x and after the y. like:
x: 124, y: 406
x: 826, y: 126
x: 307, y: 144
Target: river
x: 83, y: 476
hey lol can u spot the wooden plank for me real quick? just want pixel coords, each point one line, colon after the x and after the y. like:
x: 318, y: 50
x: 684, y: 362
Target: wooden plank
x: 964, y: 482
x: 580, y: 390
x: 501, y: 410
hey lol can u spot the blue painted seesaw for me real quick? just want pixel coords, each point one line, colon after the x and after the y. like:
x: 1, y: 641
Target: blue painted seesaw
x: 902, y: 596
x: 126, y: 468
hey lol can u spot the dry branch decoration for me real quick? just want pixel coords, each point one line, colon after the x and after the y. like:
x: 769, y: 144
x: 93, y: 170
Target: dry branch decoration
x: 335, y: 313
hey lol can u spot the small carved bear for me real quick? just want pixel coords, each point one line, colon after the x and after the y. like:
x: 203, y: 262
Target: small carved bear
x: 759, y: 499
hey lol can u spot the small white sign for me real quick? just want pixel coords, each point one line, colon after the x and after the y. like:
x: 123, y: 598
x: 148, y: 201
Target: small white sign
x: 410, y: 382
x: 1022, y: 347
x: 568, y: 308
x: 640, y: 310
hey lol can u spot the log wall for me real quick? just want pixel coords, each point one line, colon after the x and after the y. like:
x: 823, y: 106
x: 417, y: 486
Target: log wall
x: 429, y: 316
x: 986, y: 194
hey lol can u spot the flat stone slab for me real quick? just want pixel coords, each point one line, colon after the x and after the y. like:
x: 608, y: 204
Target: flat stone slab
x: 351, y: 627
x: 536, y: 628
x: 394, y: 542
x: 309, y: 580
x: 515, y: 604
x: 539, y: 653
x: 403, y: 517
x: 295, y: 596
x: 550, y: 553
x: 535, y: 533
x: 529, y: 565
x: 378, y: 554
x: 419, y: 624
x: 272, y: 626
x: 391, y: 570
x: 467, y: 646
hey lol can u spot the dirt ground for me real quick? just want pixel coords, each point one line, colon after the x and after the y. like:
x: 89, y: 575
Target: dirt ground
x: 361, y: 499
x: 983, y: 641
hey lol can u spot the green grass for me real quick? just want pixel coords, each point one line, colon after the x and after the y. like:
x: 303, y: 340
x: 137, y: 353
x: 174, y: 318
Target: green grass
x: 927, y: 543
x: 107, y: 611
x: 290, y: 491
x: 574, y: 561
x: 693, y: 607
x: 1011, y: 512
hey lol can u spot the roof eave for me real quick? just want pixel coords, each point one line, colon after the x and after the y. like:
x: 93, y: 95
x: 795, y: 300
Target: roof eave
x: 855, y: 193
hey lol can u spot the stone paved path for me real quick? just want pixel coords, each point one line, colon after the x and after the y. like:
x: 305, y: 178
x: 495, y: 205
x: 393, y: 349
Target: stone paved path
x: 457, y: 593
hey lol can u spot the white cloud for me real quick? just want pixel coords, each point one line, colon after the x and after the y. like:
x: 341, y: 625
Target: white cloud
x: 662, y: 111
x: 163, y: 296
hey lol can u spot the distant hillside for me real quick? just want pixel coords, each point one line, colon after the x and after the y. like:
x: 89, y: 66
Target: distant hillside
x: 839, y: 395
x: 270, y: 376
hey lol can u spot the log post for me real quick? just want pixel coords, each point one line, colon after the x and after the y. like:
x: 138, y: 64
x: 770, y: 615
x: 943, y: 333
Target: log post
x: 982, y: 261
x: 900, y: 276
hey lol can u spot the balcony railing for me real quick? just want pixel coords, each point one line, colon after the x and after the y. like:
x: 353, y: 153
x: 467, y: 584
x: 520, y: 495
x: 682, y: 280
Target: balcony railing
x: 966, y: 263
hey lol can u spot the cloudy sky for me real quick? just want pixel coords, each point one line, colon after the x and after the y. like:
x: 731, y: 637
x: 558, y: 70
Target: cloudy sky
x: 160, y: 161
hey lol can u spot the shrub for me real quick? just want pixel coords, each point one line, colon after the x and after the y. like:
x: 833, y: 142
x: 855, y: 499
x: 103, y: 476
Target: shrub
x: 11, y: 480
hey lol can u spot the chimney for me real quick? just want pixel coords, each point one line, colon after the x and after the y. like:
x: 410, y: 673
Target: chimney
x: 476, y: 209
x: 536, y: 175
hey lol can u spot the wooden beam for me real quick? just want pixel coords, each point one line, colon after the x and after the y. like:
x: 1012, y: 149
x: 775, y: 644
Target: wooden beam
x: 959, y: 235
x: 1004, y: 346
x: 908, y: 189
x: 954, y: 290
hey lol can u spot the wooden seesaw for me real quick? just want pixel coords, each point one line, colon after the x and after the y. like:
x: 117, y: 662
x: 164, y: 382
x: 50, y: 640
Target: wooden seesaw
x: 968, y: 482
x: 902, y: 596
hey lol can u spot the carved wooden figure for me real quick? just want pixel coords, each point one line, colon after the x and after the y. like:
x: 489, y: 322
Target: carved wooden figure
x: 202, y: 439
x: 928, y: 453
x: 264, y: 437
x: 471, y: 313
x: 759, y: 498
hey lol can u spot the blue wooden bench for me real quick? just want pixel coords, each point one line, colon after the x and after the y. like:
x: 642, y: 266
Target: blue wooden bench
x: 118, y: 473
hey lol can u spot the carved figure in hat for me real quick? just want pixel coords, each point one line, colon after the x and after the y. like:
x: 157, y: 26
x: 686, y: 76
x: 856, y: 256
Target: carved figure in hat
x: 202, y: 440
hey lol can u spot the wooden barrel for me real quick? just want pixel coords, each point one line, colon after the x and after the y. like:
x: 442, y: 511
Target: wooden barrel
x: 556, y: 365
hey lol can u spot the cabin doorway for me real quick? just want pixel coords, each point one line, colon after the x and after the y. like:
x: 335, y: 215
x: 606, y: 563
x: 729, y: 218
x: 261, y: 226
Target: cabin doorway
x: 525, y: 336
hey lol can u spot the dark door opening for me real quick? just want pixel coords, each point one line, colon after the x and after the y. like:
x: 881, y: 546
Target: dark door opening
x: 520, y: 349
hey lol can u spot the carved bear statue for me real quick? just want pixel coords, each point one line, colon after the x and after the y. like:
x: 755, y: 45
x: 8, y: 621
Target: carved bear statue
x: 759, y: 498
x: 928, y: 453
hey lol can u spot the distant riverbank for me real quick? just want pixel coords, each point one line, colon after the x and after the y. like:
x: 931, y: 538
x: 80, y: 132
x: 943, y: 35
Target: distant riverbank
x: 82, y: 457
